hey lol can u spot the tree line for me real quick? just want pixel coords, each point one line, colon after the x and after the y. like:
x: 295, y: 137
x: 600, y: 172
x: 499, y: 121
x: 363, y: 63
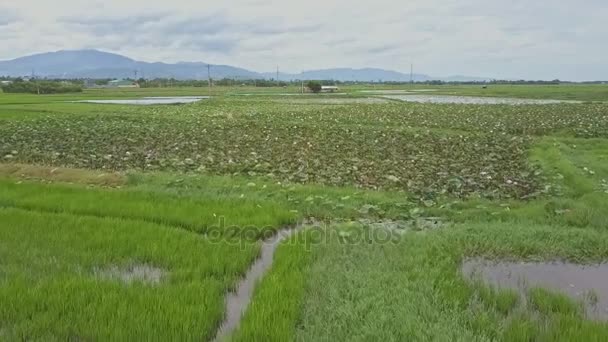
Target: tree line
x: 41, y: 87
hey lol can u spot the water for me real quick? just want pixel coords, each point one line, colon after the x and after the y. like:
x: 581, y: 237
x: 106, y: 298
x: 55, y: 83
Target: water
x: 472, y: 100
x: 237, y: 302
x: 287, y: 94
x: 575, y: 281
x: 397, y: 91
x: 387, y: 91
x: 146, y: 101
x: 336, y: 101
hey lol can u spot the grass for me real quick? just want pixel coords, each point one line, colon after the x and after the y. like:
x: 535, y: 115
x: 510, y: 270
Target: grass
x: 559, y: 92
x: 209, y: 216
x: 49, y: 289
x: 412, y: 289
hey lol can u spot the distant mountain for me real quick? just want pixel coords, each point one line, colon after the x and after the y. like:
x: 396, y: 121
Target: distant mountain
x: 64, y: 62
x: 98, y: 64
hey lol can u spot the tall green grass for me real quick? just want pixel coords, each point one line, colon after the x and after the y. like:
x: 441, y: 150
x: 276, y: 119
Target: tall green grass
x: 412, y: 290
x: 50, y: 291
x: 199, y: 215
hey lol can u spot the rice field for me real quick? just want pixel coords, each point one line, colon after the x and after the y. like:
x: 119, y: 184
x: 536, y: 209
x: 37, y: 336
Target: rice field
x: 122, y: 222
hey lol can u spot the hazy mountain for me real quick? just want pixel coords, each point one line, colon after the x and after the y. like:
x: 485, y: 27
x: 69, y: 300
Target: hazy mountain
x: 98, y: 64
x: 64, y: 62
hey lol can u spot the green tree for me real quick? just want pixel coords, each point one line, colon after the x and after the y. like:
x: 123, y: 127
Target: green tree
x: 314, y: 86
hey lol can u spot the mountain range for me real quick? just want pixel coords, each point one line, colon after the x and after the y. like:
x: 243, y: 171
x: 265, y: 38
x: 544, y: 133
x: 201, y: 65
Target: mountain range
x: 100, y: 65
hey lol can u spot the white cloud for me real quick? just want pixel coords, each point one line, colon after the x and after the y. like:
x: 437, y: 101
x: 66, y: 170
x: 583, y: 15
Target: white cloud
x: 528, y: 39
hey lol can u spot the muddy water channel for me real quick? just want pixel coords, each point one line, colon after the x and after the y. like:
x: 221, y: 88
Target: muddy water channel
x: 237, y: 302
x: 575, y: 281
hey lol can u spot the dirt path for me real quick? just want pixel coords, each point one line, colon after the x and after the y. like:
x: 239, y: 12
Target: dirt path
x: 237, y: 302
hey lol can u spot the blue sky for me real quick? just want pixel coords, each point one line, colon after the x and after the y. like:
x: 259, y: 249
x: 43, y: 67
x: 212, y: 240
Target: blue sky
x: 541, y: 39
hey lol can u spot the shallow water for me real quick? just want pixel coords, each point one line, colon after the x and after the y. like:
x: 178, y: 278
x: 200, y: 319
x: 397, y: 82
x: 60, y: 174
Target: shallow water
x: 575, y: 281
x: 288, y: 94
x: 321, y: 100
x: 472, y: 100
x: 387, y: 91
x: 146, y: 101
x: 237, y: 302
x: 397, y: 91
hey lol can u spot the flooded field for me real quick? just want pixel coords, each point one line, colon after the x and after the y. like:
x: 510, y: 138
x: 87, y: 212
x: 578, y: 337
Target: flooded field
x: 472, y: 100
x: 587, y: 284
x: 397, y: 91
x: 147, y: 101
x: 288, y: 94
x: 387, y: 91
x: 368, y: 100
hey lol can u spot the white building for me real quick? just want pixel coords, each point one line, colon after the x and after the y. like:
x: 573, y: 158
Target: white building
x: 329, y: 89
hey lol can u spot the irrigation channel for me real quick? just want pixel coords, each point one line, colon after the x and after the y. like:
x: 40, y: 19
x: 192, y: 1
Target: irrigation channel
x: 238, y: 301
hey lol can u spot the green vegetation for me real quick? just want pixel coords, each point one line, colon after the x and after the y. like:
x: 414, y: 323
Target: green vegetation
x: 198, y: 215
x: 559, y: 92
x: 412, y: 290
x: 54, y: 281
x: 126, y: 223
x: 40, y: 87
x: 455, y: 150
x: 314, y: 86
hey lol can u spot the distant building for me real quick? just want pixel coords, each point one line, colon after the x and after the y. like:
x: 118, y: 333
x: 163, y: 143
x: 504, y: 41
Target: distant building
x: 329, y: 89
x: 5, y: 82
x: 122, y: 84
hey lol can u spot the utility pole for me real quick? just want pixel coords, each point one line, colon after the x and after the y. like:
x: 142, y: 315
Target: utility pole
x: 278, y: 83
x: 412, y: 74
x: 33, y: 79
x: 209, y: 76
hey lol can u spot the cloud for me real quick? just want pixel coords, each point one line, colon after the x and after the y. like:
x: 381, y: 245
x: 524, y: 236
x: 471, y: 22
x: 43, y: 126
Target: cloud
x: 493, y: 38
x: 8, y: 16
x: 382, y: 49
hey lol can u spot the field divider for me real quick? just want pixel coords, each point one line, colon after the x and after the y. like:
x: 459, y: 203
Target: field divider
x: 32, y: 208
x: 237, y: 301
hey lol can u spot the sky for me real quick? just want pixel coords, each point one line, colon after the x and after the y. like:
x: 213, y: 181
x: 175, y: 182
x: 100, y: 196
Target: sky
x: 517, y: 39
